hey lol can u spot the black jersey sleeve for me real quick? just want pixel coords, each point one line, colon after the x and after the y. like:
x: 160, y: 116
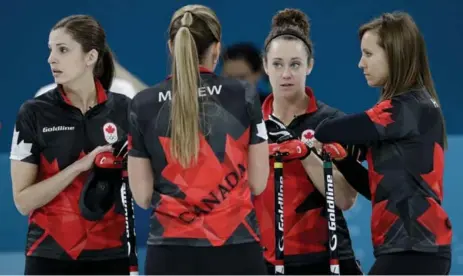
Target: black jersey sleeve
x: 351, y: 168
x: 394, y: 119
x: 387, y: 120
x: 136, y: 137
x: 254, y: 109
x: 25, y: 146
x: 356, y: 174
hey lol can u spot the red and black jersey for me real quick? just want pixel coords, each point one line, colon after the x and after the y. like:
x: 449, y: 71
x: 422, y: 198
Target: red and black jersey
x: 208, y: 204
x: 405, y: 166
x: 53, y: 134
x: 306, y: 226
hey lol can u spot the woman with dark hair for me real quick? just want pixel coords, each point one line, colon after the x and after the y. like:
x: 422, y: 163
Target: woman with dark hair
x: 288, y: 59
x: 405, y: 138
x: 56, y: 139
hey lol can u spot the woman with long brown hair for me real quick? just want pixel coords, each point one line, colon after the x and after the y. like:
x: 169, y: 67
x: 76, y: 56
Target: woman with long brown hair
x: 57, y: 138
x: 405, y: 139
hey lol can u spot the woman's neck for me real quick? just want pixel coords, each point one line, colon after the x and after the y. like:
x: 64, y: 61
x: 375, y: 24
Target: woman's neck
x: 208, y: 64
x: 286, y: 109
x: 82, y: 93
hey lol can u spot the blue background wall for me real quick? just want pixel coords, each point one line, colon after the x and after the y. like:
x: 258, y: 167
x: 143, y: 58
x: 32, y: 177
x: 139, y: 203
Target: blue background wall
x: 136, y: 32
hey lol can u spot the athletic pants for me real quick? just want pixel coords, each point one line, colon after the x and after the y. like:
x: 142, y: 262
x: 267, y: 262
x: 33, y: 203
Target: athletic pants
x: 347, y: 267
x: 410, y: 263
x: 236, y: 259
x: 46, y: 266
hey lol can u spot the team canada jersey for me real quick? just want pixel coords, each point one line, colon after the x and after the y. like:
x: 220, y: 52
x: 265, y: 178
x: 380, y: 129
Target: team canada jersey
x: 405, y: 158
x: 52, y: 134
x: 305, y: 222
x: 209, y: 203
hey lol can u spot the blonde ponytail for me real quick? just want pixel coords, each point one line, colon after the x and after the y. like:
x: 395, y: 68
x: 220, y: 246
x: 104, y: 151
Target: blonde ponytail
x: 184, y: 118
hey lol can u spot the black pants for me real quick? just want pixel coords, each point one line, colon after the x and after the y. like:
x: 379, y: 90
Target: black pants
x: 45, y: 266
x: 347, y: 267
x: 410, y: 263
x: 239, y: 259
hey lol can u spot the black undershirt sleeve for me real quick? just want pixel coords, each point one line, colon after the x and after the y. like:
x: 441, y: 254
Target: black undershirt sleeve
x: 355, y: 174
x: 348, y: 129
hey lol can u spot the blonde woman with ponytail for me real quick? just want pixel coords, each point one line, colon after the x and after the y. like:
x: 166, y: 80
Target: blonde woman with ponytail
x: 197, y: 142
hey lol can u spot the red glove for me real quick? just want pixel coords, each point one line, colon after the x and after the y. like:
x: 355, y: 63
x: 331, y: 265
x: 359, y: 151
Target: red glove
x: 290, y: 149
x: 335, y: 150
x: 107, y: 160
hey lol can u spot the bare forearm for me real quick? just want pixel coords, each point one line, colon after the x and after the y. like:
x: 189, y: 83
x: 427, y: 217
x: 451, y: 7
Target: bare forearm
x: 141, y: 180
x: 345, y: 195
x: 141, y: 184
x: 142, y: 194
x: 41, y: 193
x: 258, y: 171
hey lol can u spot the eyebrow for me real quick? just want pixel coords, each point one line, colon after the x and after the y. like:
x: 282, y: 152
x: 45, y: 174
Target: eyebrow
x: 58, y: 44
x: 294, y: 58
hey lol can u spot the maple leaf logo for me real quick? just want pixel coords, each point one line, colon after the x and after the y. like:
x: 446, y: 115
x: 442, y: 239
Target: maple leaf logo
x: 86, y: 235
x: 262, y: 130
x: 308, y: 137
x: 379, y: 115
x: 308, y: 134
x: 110, y: 132
x: 217, y: 196
x: 110, y: 129
x: 47, y: 169
x: 21, y: 150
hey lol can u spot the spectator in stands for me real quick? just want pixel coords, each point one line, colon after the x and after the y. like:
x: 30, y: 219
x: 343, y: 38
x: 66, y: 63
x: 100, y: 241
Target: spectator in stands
x: 243, y: 61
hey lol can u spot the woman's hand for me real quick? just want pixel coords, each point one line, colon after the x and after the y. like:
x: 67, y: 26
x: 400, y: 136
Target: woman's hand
x: 86, y: 163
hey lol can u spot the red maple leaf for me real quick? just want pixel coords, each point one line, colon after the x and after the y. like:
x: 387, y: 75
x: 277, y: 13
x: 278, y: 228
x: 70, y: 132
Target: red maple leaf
x: 47, y: 169
x: 435, y: 177
x: 217, y: 197
x: 61, y: 218
x: 308, y: 134
x: 110, y: 129
x: 379, y: 115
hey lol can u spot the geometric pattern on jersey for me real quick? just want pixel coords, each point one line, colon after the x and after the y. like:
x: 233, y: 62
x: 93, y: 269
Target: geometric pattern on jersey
x: 306, y: 226
x: 207, y: 187
x: 50, y: 133
x: 407, y: 212
x: 209, y: 203
x: 66, y: 205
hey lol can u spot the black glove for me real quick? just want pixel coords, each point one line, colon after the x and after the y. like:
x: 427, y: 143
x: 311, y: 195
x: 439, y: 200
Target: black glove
x: 102, y: 188
x: 281, y: 138
x: 357, y: 152
x: 277, y: 131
